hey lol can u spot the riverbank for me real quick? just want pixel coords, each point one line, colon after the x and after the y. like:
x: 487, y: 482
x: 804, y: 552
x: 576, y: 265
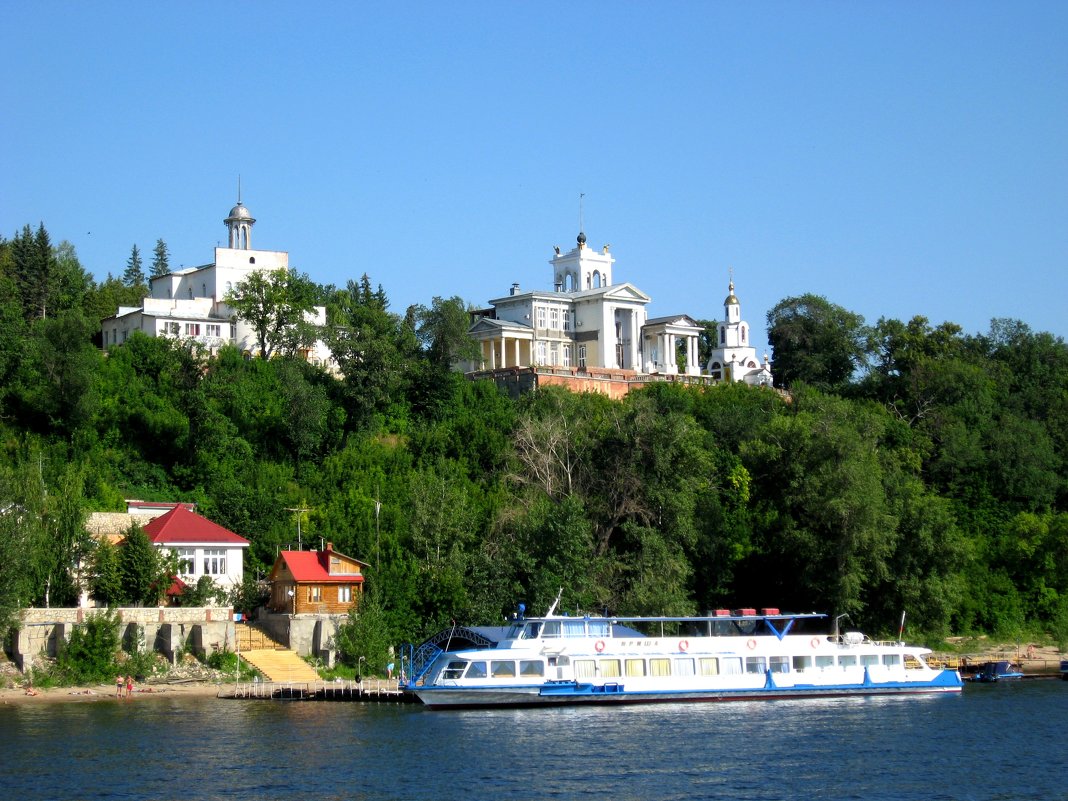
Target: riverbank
x: 105, y: 693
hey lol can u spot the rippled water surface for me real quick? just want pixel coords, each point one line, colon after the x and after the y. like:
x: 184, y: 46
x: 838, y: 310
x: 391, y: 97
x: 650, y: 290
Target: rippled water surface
x: 1006, y: 741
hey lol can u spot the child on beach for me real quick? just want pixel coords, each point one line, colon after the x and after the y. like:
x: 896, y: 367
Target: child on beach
x: 118, y: 686
x: 129, y: 686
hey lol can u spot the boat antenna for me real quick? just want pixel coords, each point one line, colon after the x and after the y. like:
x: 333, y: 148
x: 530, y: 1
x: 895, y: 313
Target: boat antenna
x: 555, y: 603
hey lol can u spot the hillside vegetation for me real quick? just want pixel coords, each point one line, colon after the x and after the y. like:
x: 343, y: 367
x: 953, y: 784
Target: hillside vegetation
x: 910, y: 468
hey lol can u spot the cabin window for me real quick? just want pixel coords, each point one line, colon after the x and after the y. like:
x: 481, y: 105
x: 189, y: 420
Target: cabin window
x: 610, y: 668
x: 659, y: 667
x: 824, y: 662
x: 476, y: 670
x: 731, y: 665
x: 709, y: 666
x: 531, y: 631
x: 599, y: 628
x: 344, y: 595
x: 891, y: 660
x: 849, y: 660
x: 499, y: 669
x: 454, y: 670
x: 585, y: 668
x: 551, y: 629
x: 574, y: 628
x: 802, y: 663
x: 635, y: 667
x: 531, y: 667
x: 869, y: 659
x: 683, y: 667
x: 779, y: 664
x: 755, y: 664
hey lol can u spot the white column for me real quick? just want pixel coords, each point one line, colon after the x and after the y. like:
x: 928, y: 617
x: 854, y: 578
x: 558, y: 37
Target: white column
x: 517, y: 364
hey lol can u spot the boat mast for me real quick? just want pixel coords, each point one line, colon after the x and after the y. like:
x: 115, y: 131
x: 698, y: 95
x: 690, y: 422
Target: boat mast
x: 555, y: 603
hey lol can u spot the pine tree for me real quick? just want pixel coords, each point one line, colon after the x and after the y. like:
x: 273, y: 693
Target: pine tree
x: 161, y: 259
x: 134, y: 275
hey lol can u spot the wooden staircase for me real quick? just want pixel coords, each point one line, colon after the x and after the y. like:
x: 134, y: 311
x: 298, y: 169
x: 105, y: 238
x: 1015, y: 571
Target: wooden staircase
x: 276, y: 662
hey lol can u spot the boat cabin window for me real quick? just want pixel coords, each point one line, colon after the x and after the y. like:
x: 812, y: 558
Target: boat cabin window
x: 635, y: 667
x: 683, y: 667
x: 891, y: 660
x: 847, y: 660
x: 499, y: 668
x: 755, y: 664
x: 600, y: 628
x: 730, y: 665
x: 779, y: 664
x: 531, y: 667
x: 824, y: 662
x: 585, y: 668
x: 477, y: 670
x: 574, y: 628
x: 551, y: 628
x: 802, y: 663
x: 869, y: 659
x: 659, y: 667
x: 709, y: 666
x: 531, y: 631
x: 609, y: 668
x: 454, y: 670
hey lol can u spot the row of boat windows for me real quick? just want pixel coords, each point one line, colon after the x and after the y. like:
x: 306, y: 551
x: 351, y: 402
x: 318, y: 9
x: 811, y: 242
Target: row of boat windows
x: 664, y: 666
x: 565, y: 628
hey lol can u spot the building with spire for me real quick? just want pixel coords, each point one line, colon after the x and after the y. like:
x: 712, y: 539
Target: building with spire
x: 593, y: 334
x: 190, y: 304
x: 734, y: 358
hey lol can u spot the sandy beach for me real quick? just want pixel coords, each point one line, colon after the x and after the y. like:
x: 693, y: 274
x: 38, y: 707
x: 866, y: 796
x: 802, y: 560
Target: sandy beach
x: 105, y: 693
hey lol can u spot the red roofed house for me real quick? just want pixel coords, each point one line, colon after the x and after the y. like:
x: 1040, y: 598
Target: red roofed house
x: 203, y: 548
x: 315, y: 582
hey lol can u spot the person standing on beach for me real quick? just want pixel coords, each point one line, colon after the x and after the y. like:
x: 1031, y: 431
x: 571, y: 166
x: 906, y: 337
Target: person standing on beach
x: 129, y: 686
x: 118, y: 686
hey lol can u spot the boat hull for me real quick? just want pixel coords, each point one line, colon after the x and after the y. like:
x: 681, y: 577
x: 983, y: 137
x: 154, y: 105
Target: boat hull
x: 574, y: 693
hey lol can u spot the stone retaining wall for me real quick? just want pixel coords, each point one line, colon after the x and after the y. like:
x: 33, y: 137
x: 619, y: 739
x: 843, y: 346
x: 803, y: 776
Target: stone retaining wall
x: 167, y: 630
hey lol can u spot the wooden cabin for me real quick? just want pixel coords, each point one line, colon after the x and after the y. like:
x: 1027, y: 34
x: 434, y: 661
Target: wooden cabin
x: 315, y: 582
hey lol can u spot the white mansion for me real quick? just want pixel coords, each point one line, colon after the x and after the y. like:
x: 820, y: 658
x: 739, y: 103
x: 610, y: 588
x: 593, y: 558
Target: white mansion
x: 189, y: 304
x: 589, y: 323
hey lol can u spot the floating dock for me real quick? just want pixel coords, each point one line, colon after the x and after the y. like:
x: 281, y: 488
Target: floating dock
x: 367, y: 690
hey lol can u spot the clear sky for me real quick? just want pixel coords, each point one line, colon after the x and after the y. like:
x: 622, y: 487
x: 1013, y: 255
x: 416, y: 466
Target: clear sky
x: 899, y: 158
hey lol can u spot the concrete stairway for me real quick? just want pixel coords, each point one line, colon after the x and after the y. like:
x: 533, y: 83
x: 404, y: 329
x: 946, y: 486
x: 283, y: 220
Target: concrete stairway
x: 282, y: 666
x: 272, y: 659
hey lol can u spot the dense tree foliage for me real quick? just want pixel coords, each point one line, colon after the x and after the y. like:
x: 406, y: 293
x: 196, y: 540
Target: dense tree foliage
x: 910, y: 468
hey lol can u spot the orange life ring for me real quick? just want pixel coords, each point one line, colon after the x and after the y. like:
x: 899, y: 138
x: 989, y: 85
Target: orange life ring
x: 684, y: 645
x: 815, y: 642
x: 751, y: 644
x: 598, y: 646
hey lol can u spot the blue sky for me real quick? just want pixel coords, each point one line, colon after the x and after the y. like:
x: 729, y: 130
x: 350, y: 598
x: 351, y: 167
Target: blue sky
x: 898, y: 158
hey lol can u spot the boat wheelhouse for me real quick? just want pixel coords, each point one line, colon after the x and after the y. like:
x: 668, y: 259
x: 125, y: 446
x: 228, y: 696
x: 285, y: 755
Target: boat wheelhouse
x: 724, y: 656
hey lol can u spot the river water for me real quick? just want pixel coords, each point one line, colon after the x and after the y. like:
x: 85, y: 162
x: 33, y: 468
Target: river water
x: 1004, y: 741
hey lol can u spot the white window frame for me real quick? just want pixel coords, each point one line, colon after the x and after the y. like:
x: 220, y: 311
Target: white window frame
x: 214, y: 561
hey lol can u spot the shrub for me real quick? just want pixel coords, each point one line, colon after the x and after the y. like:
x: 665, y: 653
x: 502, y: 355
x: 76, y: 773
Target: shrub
x: 89, y: 657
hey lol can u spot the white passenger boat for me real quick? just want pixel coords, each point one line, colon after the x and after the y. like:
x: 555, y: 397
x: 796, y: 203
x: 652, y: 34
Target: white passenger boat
x: 725, y: 656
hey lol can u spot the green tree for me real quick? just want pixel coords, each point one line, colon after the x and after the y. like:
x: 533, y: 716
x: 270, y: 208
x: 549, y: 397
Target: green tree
x: 442, y: 329
x: 276, y: 305
x: 89, y: 655
x: 815, y: 341
x: 134, y: 275
x: 161, y: 259
x: 105, y: 579
x: 145, y: 573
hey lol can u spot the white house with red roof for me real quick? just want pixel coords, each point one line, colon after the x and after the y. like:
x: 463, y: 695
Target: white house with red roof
x: 315, y: 582
x: 203, y: 548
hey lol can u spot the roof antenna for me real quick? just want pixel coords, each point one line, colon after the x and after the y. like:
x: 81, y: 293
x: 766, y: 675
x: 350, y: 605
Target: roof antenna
x: 581, y: 196
x: 239, y: 189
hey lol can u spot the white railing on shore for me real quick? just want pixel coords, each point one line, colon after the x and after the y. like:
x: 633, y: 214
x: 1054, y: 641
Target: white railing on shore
x: 372, y: 687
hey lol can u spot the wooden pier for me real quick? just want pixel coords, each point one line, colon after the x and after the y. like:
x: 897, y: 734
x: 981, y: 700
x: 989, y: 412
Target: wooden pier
x: 368, y: 690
